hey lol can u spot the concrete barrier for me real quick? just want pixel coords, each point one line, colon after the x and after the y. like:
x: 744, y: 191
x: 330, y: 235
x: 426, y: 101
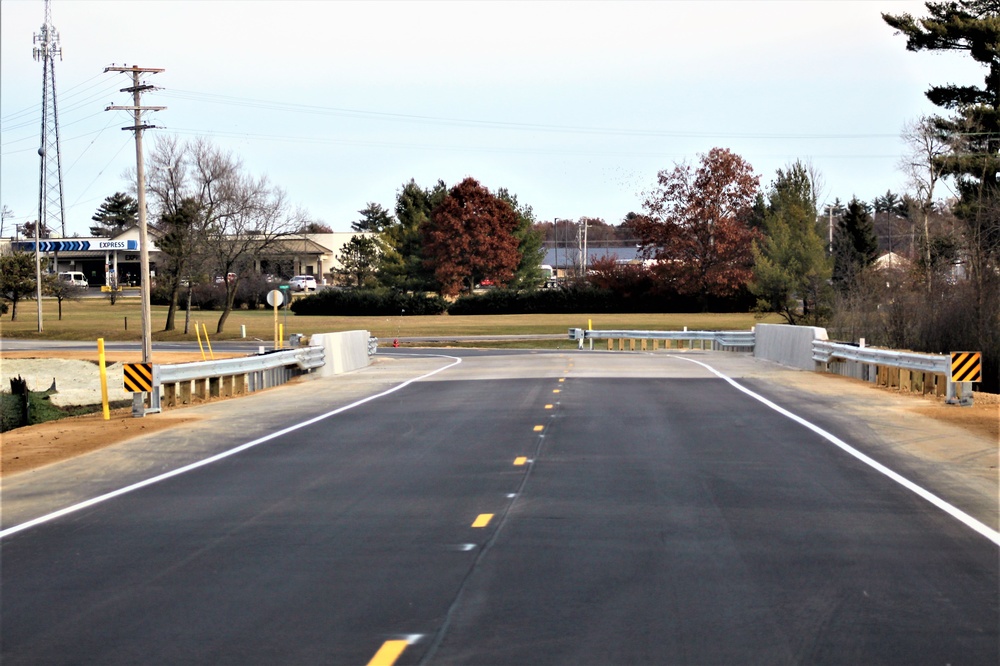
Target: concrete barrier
x: 345, y: 351
x: 788, y: 345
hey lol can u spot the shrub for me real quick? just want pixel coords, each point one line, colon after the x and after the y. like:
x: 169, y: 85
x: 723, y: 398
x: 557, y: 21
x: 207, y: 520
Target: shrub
x: 367, y: 303
x: 585, y: 298
x: 208, y: 296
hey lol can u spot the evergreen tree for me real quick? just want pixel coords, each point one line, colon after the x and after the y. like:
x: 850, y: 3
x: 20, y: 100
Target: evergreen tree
x: 529, y: 271
x: 791, y: 269
x: 855, y: 246
x: 359, y: 261
x: 374, y: 218
x: 973, y: 128
x: 402, y: 264
x: 116, y: 214
x: 17, y: 278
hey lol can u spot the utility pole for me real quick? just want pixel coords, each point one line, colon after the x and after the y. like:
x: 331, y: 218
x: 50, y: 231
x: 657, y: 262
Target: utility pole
x: 137, y: 89
x: 555, y: 235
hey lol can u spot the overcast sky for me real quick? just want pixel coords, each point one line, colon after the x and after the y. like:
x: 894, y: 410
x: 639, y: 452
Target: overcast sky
x: 572, y: 106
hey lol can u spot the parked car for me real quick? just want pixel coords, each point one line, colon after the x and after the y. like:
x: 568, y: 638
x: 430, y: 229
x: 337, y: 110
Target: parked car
x: 303, y: 283
x: 75, y: 278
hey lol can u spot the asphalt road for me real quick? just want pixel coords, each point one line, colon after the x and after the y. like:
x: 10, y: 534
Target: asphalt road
x: 517, y: 508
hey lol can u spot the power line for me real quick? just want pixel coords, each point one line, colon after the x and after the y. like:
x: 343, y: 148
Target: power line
x: 493, y: 124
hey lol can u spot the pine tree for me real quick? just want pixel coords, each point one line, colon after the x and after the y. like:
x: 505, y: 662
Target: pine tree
x: 855, y: 246
x: 791, y: 268
x: 115, y: 215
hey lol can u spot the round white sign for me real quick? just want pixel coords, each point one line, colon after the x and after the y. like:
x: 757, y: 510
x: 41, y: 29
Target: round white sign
x: 275, y: 298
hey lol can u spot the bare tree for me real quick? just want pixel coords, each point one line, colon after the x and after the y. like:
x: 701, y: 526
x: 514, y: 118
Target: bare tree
x: 213, y: 214
x: 248, y: 216
x: 923, y: 169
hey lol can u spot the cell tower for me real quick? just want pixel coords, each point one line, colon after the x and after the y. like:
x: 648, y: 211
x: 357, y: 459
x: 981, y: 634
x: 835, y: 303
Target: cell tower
x: 50, y: 184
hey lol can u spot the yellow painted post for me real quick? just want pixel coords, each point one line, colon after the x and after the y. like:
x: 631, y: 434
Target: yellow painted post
x: 281, y: 336
x: 104, y: 379
x: 208, y: 342
x: 611, y: 344
x: 197, y: 332
x: 276, y: 338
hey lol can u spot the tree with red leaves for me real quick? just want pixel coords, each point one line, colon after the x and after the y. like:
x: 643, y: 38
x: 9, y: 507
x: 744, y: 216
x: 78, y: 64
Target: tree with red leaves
x: 470, y: 238
x: 696, y: 225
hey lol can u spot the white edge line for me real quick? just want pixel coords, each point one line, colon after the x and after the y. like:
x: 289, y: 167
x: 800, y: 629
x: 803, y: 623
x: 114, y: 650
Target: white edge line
x: 219, y: 456
x: 951, y: 510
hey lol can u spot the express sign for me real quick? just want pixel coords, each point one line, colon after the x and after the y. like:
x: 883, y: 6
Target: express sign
x: 118, y: 245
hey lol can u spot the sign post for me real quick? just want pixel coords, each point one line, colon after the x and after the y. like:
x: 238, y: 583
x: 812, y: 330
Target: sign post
x: 275, y: 298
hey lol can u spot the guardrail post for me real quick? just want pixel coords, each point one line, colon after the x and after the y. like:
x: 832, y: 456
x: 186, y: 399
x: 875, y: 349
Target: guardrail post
x: 138, y: 405
x: 170, y: 395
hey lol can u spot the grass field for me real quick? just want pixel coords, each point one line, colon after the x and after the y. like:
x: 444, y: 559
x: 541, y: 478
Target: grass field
x: 91, y: 318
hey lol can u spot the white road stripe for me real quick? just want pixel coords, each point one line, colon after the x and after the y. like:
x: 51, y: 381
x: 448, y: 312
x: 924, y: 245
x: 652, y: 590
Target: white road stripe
x: 219, y: 456
x: 951, y: 510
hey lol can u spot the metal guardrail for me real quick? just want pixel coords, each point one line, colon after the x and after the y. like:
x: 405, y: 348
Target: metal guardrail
x: 855, y: 361
x: 261, y: 371
x: 825, y: 352
x: 305, y: 358
x: 721, y: 340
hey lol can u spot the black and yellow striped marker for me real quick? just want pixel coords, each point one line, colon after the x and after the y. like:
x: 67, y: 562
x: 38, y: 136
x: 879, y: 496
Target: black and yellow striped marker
x: 966, y: 367
x: 138, y: 377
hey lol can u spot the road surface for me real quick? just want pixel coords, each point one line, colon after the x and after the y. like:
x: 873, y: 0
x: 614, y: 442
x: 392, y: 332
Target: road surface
x: 516, y: 508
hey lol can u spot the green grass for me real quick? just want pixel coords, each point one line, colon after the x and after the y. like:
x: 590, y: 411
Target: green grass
x: 40, y: 409
x: 89, y: 319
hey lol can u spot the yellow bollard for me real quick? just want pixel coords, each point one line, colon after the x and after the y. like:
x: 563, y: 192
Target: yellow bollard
x: 197, y: 332
x: 208, y: 342
x: 104, y: 379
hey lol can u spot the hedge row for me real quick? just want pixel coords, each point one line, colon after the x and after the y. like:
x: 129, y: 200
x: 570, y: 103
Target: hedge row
x: 585, y: 299
x: 368, y: 303
x: 571, y: 300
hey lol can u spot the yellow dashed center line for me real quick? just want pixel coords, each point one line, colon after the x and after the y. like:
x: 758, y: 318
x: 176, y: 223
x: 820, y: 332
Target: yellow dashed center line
x: 388, y: 653
x: 482, y: 520
x: 556, y: 391
x: 539, y: 428
x: 562, y: 379
x: 520, y: 460
x: 548, y: 406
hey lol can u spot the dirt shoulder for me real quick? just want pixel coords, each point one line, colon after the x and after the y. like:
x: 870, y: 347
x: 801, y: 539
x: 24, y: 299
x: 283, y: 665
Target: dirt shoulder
x: 34, y: 446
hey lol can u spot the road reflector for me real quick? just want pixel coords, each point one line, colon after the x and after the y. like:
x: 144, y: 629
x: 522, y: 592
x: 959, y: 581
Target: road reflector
x: 138, y: 377
x: 966, y: 367
x: 482, y: 520
x: 520, y: 460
